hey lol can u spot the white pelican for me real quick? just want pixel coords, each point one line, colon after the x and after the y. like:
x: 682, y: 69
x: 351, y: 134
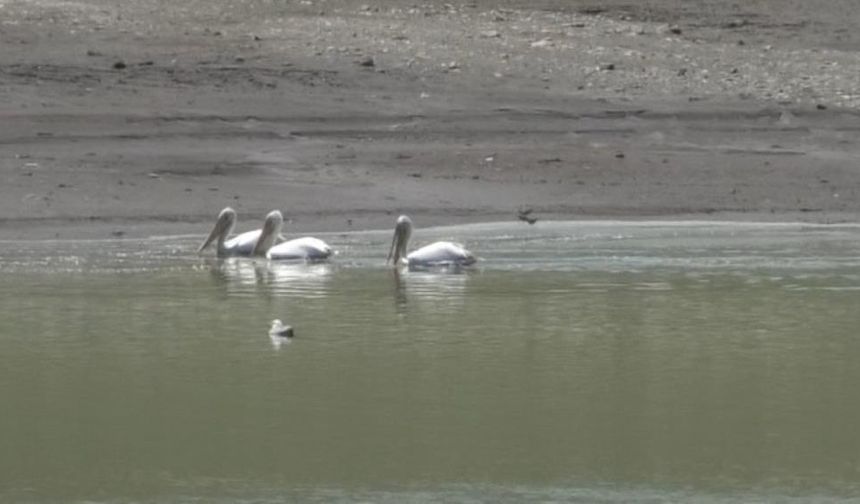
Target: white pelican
x: 440, y: 253
x: 242, y: 245
x: 280, y: 330
x: 307, y: 248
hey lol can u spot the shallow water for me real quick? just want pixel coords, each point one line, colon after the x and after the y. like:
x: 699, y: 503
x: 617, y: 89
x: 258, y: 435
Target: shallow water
x: 580, y: 362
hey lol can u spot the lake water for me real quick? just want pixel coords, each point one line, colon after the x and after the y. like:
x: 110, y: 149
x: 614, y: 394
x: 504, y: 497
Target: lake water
x: 579, y: 362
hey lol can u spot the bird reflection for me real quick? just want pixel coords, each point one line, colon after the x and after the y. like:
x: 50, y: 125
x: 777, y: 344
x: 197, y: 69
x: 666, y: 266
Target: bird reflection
x: 249, y: 276
x: 279, y: 342
x: 400, y: 297
x: 441, y: 290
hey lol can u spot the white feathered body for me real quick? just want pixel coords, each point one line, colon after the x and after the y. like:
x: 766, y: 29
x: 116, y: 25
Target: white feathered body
x: 440, y: 253
x: 307, y: 249
x: 242, y: 244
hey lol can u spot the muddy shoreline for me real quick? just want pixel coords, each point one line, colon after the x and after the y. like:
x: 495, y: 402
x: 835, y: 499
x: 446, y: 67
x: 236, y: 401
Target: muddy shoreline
x: 146, y: 118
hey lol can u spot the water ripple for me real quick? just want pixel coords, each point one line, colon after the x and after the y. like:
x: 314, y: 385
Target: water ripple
x: 548, y: 246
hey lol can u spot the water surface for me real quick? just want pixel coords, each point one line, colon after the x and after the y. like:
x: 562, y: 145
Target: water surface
x: 580, y: 362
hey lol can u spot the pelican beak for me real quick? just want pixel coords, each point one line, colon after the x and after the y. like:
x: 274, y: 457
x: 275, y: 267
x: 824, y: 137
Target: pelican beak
x: 221, y: 227
x: 398, y: 243
x: 394, y: 250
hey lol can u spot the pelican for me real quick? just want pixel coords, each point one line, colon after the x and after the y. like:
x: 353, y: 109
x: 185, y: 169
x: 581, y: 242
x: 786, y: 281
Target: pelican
x: 242, y: 245
x: 440, y: 253
x: 307, y: 248
x: 280, y: 330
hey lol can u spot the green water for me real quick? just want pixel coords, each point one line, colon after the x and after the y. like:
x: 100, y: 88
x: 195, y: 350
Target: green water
x: 579, y: 362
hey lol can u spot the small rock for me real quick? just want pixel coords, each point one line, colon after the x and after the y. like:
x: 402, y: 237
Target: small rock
x: 675, y: 30
x: 453, y: 65
x: 119, y: 65
x: 821, y: 106
x: 490, y: 34
x: 542, y: 43
x: 367, y: 61
x: 619, y: 155
x: 609, y: 66
x: 93, y: 53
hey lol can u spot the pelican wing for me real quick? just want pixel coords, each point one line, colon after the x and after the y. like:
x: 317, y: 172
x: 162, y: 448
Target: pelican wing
x: 441, y: 254
x: 307, y: 249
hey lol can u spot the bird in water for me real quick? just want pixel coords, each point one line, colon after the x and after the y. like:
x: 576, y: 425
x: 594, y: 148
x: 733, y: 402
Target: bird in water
x: 306, y: 248
x: 279, y: 330
x: 241, y: 245
x: 441, y: 253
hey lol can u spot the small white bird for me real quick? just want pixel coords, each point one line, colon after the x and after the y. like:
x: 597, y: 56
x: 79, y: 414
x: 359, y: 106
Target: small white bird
x: 280, y: 330
x: 440, y: 253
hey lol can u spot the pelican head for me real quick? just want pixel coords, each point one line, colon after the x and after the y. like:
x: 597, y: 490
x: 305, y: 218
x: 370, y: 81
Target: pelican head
x: 402, y: 232
x: 279, y: 329
x: 270, y: 232
x: 223, y: 227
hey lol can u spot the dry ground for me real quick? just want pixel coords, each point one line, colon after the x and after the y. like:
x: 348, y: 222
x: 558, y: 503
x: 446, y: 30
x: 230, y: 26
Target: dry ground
x: 147, y: 117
